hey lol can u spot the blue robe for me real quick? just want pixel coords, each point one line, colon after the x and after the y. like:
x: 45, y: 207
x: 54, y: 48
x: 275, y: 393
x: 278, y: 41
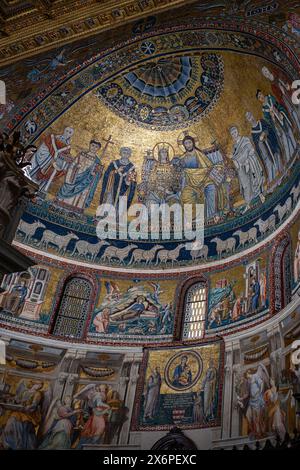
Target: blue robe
x: 269, y: 153
x: 255, y: 296
x: 114, y: 183
x: 283, y: 128
x: 178, y: 372
x: 82, y: 181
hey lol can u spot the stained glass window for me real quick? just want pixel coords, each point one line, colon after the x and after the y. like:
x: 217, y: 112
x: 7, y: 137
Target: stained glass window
x: 73, y: 309
x: 194, y: 312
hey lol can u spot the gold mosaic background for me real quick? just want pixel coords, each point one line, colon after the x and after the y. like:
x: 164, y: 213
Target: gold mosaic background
x: 93, y: 120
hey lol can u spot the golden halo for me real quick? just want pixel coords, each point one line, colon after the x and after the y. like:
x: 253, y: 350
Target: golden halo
x: 185, y: 134
x: 163, y: 145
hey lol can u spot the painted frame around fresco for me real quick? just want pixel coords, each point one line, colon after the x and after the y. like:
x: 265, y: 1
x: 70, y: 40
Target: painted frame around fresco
x: 136, y: 416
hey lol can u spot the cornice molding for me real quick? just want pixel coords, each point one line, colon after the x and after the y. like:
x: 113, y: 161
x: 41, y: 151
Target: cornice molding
x: 31, y: 33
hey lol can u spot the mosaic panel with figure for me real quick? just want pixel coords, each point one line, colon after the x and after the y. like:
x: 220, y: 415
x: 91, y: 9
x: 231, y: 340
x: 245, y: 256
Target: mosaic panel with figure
x: 180, y: 387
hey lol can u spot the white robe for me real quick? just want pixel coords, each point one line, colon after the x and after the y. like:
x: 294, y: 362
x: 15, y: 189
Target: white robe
x: 249, y: 169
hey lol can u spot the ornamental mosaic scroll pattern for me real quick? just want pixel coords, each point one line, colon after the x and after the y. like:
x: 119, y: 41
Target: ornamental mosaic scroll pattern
x: 166, y: 93
x: 43, y: 109
x: 74, y: 309
x: 282, y: 280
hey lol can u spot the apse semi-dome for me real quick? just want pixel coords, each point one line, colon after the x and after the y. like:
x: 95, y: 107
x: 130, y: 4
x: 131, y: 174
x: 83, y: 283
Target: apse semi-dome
x: 187, y: 116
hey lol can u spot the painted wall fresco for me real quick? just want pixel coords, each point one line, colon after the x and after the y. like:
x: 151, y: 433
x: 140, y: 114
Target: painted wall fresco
x: 180, y: 387
x: 38, y: 412
x: 103, y: 136
x: 265, y: 383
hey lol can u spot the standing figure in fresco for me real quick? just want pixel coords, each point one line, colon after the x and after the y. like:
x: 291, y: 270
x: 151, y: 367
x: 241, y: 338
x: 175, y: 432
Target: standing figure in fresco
x: 266, y: 145
x: 276, y: 415
x: 119, y: 180
x: 297, y: 261
x: 282, y: 92
x: 255, y: 413
x: 59, y: 424
x: 248, y: 167
x: 19, y: 432
x: 117, y: 417
x: 95, y: 402
x: 276, y: 115
x: 182, y: 375
x: 51, y: 159
x: 209, y: 387
x: 82, y: 178
x: 198, y: 187
x: 152, y: 394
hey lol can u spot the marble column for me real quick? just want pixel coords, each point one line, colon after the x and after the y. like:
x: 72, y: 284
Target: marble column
x: 72, y: 361
x: 4, y: 342
x: 227, y: 394
x: 276, y: 356
x: 136, y: 360
x: 235, y: 430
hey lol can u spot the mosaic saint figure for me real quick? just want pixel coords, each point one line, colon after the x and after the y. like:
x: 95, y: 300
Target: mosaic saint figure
x: 255, y: 295
x: 152, y: 394
x: 119, y: 180
x: 263, y: 288
x: 51, y: 159
x: 209, y: 386
x: 198, y: 411
x: 276, y: 416
x: 248, y: 167
x: 255, y: 413
x: 82, y: 178
x: 277, y: 116
x: 15, y: 300
x: 282, y: 92
x: 266, y: 145
x: 293, y: 24
x: 198, y: 186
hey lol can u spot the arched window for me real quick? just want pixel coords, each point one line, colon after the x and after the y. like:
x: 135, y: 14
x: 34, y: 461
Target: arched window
x: 74, y: 308
x: 195, y: 311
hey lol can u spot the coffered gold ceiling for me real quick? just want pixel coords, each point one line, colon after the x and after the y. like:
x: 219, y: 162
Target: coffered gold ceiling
x: 28, y: 27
